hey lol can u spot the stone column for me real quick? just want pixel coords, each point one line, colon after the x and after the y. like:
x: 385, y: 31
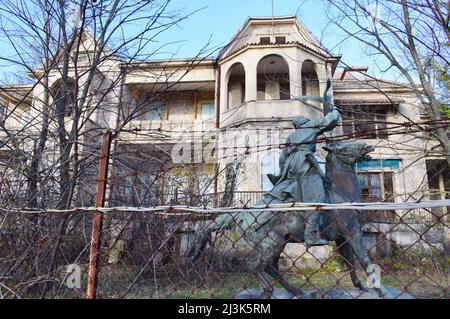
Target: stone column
x: 295, y: 76
x: 250, y: 80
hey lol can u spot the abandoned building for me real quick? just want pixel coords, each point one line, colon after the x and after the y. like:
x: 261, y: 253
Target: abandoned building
x: 268, y: 73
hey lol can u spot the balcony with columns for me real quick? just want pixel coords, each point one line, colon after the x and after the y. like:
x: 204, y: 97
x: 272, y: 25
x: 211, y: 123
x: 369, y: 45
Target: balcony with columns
x: 271, y: 85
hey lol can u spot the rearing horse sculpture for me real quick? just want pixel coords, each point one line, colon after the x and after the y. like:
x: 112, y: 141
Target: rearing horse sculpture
x: 268, y: 238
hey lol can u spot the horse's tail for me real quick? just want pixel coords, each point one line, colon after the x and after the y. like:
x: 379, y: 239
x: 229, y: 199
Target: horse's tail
x: 203, y: 236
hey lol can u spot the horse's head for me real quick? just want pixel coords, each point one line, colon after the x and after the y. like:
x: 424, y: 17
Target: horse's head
x: 349, y: 152
x: 344, y: 184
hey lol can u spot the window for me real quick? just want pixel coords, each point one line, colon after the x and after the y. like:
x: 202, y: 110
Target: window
x: 64, y: 99
x: 264, y: 40
x: 377, y: 182
x: 208, y: 110
x: 147, y: 189
x: 378, y: 187
x: 438, y: 175
x: 153, y: 113
x: 177, y: 190
x: 269, y: 165
x: 280, y: 40
x: 67, y: 109
x: 365, y: 122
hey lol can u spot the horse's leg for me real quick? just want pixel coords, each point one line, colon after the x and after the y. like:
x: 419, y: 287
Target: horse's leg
x: 349, y: 259
x: 272, y: 247
x: 357, y: 246
x: 255, y: 261
x: 267, y: 246
x: 273, y: 271
x: 268, y: 288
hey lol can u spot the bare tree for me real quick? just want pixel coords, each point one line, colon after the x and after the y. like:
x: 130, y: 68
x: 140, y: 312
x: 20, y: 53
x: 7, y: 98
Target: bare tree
x: 413, y: 37
x: 74, y: 56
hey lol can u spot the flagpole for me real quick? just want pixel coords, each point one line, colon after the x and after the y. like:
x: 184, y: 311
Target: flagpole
x: 273, y: 22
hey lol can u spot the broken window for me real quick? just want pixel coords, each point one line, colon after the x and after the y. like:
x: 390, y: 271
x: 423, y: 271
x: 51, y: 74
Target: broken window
x: 365, y: 122
x: 377, y: 185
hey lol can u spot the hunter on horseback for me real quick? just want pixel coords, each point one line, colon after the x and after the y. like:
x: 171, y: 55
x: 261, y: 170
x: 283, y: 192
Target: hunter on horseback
x: 300, y: 179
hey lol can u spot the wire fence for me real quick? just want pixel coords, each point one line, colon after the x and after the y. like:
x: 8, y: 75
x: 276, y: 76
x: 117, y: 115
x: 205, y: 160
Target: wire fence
x: 173, y: 253
x: 178, y: 238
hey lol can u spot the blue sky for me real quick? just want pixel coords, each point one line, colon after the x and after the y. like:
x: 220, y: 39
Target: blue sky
x: 221, y: 19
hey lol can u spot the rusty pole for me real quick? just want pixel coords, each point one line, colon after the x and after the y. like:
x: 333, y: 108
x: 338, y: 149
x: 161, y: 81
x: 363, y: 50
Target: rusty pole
x: 98, y: 216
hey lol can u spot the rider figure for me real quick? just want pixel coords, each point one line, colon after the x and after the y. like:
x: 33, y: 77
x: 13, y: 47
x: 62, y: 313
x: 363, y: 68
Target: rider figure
x: 300, y: 179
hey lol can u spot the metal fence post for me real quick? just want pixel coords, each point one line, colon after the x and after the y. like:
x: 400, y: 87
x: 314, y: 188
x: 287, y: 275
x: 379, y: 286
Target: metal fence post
x: 98, y: 216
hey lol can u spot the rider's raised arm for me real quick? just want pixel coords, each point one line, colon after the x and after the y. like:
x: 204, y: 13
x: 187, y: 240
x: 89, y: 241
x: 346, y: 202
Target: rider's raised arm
x: 326, y: 123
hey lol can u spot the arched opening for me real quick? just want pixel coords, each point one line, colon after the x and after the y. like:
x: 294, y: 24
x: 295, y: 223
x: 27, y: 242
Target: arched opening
x: 63, y: 100
x: 269, y: 165
x: 273, y: 79
x: 236, y: 85
x: 310, y: 81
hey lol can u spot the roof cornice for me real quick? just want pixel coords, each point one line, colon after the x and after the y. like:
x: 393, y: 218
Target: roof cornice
x: 298, y: 44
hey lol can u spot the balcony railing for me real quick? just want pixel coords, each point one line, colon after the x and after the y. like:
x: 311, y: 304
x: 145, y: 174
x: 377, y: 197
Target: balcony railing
x: 266, y: 110
x: 174, y: 125
x: 167, y: 130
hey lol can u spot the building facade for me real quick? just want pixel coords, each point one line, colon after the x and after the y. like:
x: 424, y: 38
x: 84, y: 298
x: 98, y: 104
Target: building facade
x: 240, y: 105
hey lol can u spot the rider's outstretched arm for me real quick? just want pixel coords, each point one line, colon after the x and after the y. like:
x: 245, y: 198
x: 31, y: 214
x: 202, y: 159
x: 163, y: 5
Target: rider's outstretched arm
x: 328, y: 122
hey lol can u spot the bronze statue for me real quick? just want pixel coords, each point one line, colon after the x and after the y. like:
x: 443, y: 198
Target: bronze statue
x: 267, y: 240
x: 301, y: 180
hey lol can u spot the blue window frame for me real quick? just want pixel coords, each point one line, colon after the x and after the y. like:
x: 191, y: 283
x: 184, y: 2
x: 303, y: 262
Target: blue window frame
x: 392, y: 164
